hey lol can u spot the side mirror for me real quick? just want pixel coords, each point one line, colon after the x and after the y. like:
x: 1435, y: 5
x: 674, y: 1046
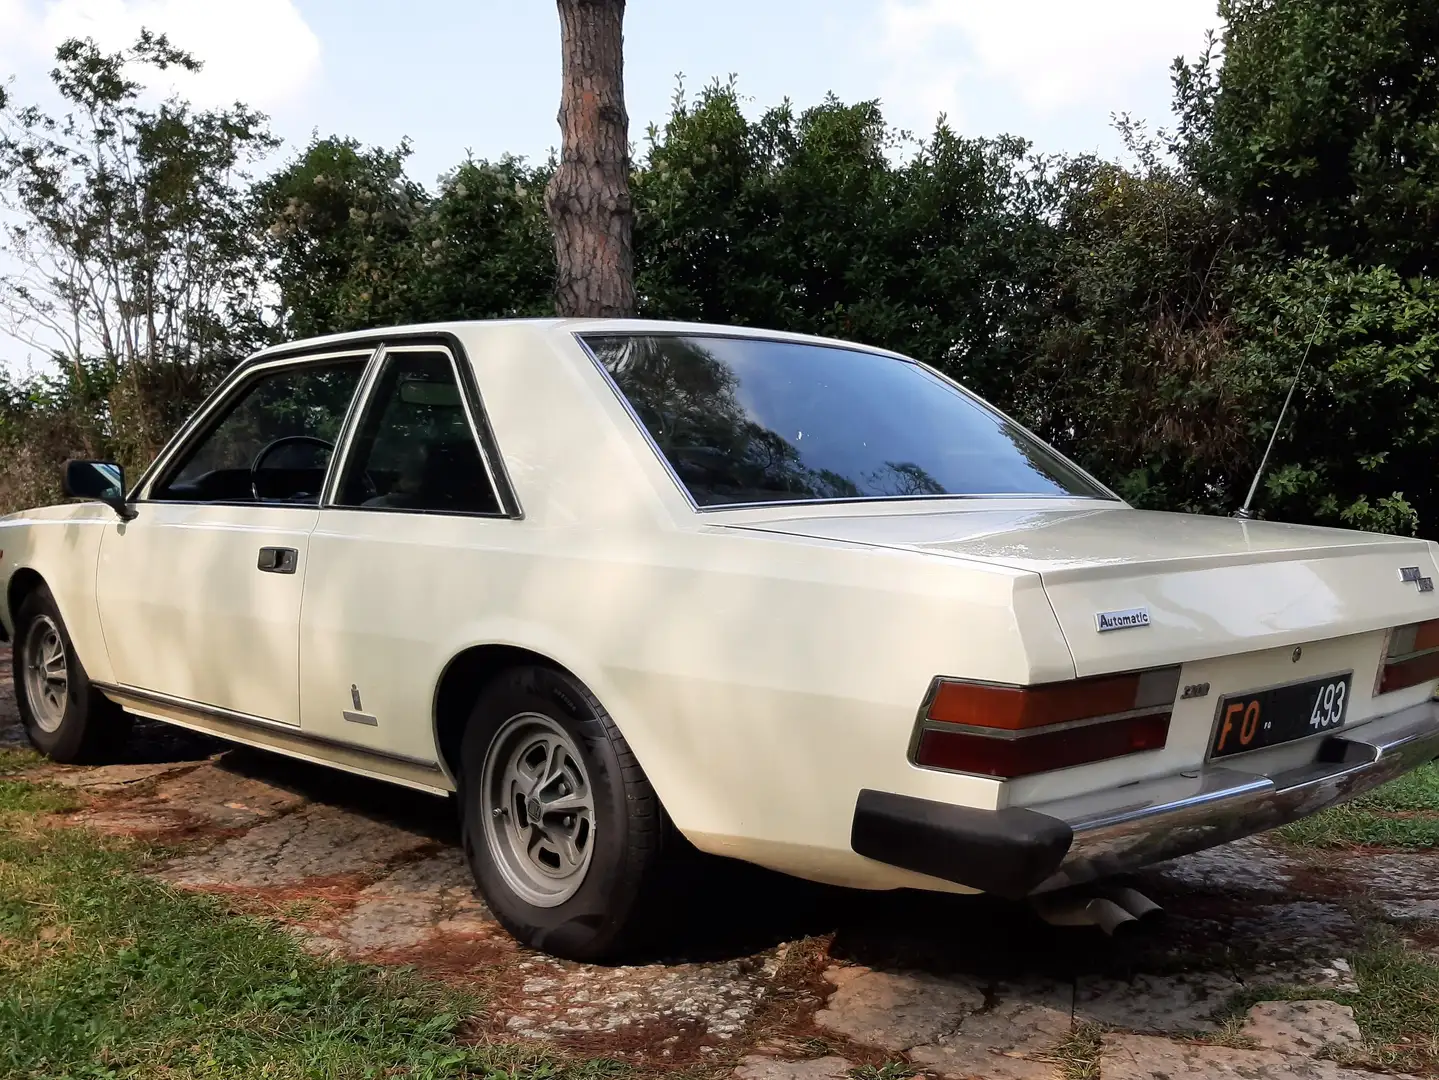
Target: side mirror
x: 99, y: 481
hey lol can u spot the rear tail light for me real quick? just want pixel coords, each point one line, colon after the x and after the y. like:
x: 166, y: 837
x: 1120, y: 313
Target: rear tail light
x: 1411, y: 658
x: 1011, y: 731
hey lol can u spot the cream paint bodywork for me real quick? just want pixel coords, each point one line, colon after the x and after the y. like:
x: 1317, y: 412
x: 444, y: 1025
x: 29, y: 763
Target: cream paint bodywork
x: 765, y: 664
x: 62, y: 544
x: 179, y: 583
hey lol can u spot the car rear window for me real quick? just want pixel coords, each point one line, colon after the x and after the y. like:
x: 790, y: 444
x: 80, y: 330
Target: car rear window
x: 750, y: 420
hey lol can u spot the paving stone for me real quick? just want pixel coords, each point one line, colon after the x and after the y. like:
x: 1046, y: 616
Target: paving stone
x: 1249, y: 865
x: 1008, y: 1040
x: 225, y: 798
x: 1298, y: 929
x: 1148, y: 1057
x: 1168, y: 1003
x: 577, y: 1000
x: 105, y: 778
x: 316, y: 842
x: 1301, y: 1027
x: 420, y: 900
x: 1403, y: 886
x: 12, y: 735
x: 760, y: 1067
x: 1335, y: 974
x: 896, y: 1010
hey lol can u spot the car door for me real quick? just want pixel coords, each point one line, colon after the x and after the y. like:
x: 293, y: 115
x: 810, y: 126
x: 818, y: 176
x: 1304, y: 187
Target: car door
x: 401, y: 556
x: 199, y: 595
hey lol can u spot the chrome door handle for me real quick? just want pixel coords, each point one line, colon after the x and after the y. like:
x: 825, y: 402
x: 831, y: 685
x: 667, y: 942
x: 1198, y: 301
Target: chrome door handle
x: 278, y: 560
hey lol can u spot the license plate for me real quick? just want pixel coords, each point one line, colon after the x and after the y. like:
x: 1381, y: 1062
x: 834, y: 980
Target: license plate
x: 1282, y: 714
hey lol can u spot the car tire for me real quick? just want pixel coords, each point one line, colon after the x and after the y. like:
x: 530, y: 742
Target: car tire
x: 562, y: 829
x: 64, y: 716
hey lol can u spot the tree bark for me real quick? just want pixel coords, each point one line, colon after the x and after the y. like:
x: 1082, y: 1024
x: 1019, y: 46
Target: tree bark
x: 588, y: 199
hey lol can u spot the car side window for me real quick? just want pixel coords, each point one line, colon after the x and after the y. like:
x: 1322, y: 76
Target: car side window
x: 273, y: 442
x: 415, y: 449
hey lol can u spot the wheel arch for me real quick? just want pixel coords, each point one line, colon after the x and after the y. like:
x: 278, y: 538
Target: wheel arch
x: 464, y: 677
x: 22, y: 583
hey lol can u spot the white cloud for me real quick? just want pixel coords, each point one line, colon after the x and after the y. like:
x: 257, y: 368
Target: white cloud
x: 261, y: 52
x: 1048, y: 55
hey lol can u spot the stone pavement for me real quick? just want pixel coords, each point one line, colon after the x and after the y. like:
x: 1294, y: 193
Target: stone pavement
x: 779, y: 980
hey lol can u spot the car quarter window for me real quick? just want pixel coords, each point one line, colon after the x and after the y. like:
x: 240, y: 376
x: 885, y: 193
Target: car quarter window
x: 749, y: 420
x: 272, y: 441
x: 415, y: 449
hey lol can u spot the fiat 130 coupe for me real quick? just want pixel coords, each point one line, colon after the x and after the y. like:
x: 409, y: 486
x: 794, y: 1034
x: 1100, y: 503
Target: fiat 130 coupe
x: 809, y: 604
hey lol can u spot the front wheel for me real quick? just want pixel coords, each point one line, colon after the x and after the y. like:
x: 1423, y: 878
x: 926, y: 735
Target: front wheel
x: 562, y: 829
x: 65, y: 718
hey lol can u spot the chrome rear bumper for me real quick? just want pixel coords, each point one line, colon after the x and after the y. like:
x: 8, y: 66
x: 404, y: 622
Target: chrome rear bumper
x: 1134, y: 826
x: 1022, y: 850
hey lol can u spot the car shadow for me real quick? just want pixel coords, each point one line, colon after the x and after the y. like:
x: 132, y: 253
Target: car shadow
x: 715, y: 910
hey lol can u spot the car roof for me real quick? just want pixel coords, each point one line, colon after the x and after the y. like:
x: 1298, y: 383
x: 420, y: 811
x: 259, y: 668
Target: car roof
x: 460, y: 328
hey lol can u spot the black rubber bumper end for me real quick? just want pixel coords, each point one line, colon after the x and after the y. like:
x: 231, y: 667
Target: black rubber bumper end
x: 1005, y: 852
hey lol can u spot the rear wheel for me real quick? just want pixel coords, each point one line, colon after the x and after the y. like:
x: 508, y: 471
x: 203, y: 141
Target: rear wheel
x: 562, y: 829
x: 64, y: 717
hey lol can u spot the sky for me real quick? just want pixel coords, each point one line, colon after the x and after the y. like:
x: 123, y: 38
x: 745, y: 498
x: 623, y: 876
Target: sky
x: 483, y: 75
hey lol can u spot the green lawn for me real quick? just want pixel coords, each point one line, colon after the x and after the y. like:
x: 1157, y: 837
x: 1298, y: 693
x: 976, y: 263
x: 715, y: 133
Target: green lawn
x: 1404, y: 813
x: 105, y: 972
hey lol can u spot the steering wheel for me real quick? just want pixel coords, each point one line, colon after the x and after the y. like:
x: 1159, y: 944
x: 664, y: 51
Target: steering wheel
x: 369, y: 487
x: 277, y: 444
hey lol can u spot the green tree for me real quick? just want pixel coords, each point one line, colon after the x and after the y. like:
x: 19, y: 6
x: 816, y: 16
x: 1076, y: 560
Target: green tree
x: 137, y: 269
x: 1359, y: 446
x: 353, y: 242
x: 1320, y: 126
x: 806, y: 221
x: 1134, y: 371
x: 484, y: 245
x: 340, y: 225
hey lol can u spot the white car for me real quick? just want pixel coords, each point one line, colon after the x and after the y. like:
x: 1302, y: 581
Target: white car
x: 801, y: 602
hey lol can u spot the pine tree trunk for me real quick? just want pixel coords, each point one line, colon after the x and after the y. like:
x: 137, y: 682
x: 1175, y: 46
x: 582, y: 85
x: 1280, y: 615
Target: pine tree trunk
x: 588, y: 200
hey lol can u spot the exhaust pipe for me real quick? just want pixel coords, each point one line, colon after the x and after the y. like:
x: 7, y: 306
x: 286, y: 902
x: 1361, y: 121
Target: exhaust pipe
x: 1134, y: 902
x: 1112, y: 910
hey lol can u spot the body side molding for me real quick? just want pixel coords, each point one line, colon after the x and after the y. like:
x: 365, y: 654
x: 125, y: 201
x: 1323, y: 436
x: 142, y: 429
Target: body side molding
x: 271, y: 735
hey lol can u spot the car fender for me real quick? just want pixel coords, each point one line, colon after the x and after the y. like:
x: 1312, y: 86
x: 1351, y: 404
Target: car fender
x: 61, y: 544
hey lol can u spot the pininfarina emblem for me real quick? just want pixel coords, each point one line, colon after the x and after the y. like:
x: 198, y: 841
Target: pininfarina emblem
x: 1412, y: 573
x: 359, y: 716
x: 1104, y: 621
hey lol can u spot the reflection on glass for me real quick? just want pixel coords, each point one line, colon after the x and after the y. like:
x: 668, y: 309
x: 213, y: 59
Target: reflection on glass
x: 110, y: 480
x: 744, y: 420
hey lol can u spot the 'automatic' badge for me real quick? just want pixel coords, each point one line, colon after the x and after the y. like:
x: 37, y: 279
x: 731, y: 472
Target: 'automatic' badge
x: 1104, y: 621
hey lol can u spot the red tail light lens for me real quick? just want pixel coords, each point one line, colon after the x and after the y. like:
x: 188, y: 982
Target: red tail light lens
x: 1011, y: 731
x: 1411, y: 658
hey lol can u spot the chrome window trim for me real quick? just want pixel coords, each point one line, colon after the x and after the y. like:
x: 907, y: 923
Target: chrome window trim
x: 341, y: 455
x: 230, y: 387
x: 984, y: 406
x: 365, y: 399
x: 640, y: 424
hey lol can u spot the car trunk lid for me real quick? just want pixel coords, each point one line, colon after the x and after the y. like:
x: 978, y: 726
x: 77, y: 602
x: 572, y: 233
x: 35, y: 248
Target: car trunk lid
x: 1174, y: 587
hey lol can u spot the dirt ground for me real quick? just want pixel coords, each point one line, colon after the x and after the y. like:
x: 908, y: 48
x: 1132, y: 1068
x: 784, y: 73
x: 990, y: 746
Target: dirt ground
x: 777, y: 979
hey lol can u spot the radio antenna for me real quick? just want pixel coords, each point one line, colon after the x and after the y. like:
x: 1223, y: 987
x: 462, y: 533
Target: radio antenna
x: 1244, y: 513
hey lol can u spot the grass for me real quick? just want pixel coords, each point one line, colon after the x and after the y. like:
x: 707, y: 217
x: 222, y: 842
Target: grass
x: 18, y: 798
x: 1396, y: 1006
x: 105, y: 972
x: 1078, y: 1056
x: 890, y: 1070
x: 1402, y: 814
x: 12, y: 761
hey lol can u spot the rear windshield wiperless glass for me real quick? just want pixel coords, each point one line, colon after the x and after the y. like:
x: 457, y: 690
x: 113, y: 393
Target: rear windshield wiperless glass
x: 747, y: 420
